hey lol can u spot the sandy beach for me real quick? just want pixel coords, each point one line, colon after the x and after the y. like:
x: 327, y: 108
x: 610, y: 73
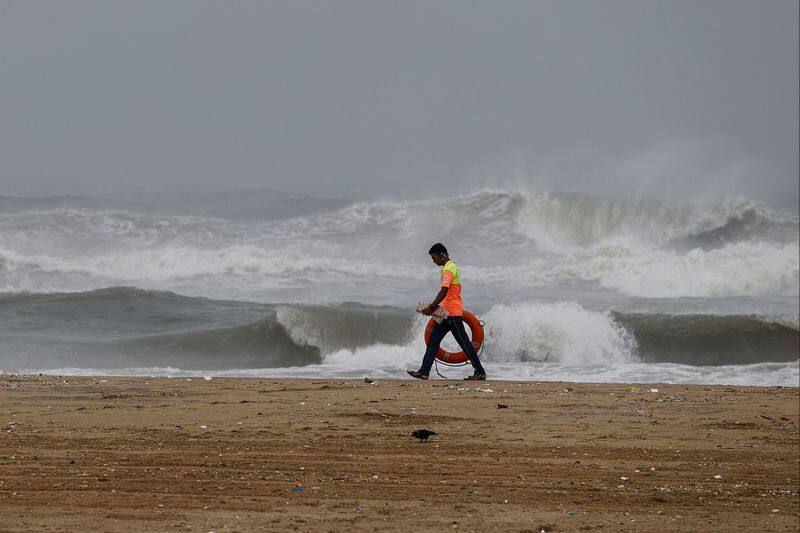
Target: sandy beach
x: 133, y: 454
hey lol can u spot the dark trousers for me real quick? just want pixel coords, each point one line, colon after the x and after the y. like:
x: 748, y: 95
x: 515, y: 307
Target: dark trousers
x: 454, y: 325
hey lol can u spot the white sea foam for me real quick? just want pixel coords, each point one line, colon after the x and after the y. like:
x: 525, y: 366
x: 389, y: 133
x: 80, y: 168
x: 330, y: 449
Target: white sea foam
x: 561, y: 220
x: 563, y: 332
x: 639, y: 247
x: 185, y: 262
x: 740, y: 269
x: 536, y: 332
x: 761, y: 374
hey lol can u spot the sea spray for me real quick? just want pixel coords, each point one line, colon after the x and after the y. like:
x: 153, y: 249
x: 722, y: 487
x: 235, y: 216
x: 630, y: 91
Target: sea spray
x: 562, y: 332
x: 634, y: 246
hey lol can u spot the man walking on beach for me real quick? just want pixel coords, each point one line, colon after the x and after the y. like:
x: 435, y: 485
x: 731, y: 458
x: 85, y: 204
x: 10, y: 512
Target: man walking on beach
x: 450, y: 299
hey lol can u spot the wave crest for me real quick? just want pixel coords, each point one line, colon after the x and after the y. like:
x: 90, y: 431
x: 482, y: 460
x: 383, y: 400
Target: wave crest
x: 637, y: 246
x: 128, y: 327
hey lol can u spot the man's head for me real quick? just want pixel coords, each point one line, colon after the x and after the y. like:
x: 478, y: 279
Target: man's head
x: 439, y: 254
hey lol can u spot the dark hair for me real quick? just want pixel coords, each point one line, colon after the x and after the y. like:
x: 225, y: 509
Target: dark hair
x: 438, y: 248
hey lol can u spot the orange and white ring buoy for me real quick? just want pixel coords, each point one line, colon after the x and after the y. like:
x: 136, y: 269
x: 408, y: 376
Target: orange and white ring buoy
x: 454, y: 358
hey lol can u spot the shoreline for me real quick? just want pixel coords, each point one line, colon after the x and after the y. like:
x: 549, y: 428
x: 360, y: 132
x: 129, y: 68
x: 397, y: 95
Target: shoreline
x: 640, y: 373
x: 236, y: 454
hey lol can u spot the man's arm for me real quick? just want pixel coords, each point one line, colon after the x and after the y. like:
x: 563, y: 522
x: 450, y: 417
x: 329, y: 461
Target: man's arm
x: 439, y: 297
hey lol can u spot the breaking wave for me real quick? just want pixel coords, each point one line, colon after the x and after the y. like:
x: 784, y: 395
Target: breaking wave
x: 741, y: 269
x: 131, y: 328
x: 548, y: 218
x: 637, y: 246
x: 570, y: 270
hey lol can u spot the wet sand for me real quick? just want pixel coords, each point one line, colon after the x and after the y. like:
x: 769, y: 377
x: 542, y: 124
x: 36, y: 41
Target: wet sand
x: 133, y: 454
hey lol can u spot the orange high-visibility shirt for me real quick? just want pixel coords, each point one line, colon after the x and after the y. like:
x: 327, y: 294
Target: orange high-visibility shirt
x: 451, y: 278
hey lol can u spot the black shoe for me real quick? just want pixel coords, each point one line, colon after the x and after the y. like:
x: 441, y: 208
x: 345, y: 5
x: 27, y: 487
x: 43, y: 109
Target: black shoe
x: 417, y: 374
x: 477, y: 376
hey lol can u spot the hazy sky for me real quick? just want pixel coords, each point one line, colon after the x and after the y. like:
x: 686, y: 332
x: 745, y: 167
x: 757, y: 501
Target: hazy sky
x: 385, y: 98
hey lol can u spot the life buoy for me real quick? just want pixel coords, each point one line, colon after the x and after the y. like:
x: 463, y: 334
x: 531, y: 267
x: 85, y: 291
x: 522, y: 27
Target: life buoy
x: 454, y: 358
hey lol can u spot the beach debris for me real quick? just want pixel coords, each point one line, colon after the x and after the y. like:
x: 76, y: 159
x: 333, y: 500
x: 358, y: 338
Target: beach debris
x: 297, y: 488
x: 368, y: 380
x: 483, y: 390
x: 653, y: 390
x: 423, y: 434
x: 718, y: 477
x: 765, y: 417
x: 207, y: 378
x: 623, y: 478
x: 203, y: 427
x: 502, y: 406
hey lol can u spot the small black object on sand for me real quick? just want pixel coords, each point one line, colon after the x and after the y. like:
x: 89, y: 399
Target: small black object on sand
x: 368, y: 380
x: 423, y: 434
x: 502, y: 406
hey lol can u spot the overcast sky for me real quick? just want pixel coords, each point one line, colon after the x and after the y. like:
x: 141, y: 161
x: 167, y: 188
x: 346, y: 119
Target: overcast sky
x: 387, y: 98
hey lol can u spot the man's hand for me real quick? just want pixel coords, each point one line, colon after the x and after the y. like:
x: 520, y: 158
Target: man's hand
x: 434, y: 305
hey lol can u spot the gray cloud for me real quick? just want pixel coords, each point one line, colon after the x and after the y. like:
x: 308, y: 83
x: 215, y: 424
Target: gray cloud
x: 678, y: 98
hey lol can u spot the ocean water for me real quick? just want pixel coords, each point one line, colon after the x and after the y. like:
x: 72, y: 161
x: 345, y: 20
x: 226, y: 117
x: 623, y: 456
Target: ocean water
x: 570, y: 286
